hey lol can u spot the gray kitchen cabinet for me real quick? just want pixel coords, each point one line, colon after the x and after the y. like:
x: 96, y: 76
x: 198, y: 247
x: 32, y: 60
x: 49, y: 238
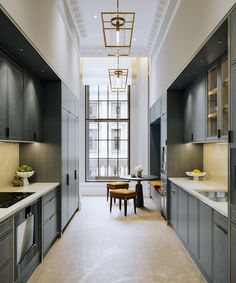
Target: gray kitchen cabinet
x: 163, y: 104
x: 174, y: 205
x: 205, y: 238
x: 182, y: 213
x: 220, y: 249
x: 70, y: 174
x: 32, y: 107
x: 50, y: 219
x: 193, y: 213
x: 233, y: 254
x: 15, y: 102
x: 233, y: 37
x: 6, y: 251
x: 3, y: 97
x: 195, y: 113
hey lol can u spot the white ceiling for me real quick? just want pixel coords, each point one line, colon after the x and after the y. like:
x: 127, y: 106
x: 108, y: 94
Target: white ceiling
x: 149, y: 15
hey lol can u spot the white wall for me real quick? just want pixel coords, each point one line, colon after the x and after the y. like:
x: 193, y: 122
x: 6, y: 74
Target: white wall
x: 138, y: 132
x: 43, y: 24
x: 193, y: 22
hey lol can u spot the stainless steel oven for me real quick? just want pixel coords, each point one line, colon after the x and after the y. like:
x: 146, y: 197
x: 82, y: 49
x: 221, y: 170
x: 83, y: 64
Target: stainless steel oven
x: 26, y: 240
x: 164, y: 195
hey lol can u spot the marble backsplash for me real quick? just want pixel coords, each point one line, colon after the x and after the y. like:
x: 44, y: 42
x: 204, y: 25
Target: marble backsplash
x: 215, y: 162
x: 9, y: 161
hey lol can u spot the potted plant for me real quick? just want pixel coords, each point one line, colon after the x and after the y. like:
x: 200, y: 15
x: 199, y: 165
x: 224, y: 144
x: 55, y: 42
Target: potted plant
x: 139, y: 170
x: 25, y: 172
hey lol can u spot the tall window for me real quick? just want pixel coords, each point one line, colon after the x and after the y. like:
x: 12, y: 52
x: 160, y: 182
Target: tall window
x: 107, y: 133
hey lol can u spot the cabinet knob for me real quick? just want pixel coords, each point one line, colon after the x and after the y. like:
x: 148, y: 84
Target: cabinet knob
x: 7, y: 132
x: 219, y: 133
x: 67, y: 179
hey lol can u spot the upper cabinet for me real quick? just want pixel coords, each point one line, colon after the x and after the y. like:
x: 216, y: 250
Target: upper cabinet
x: 20, y: 102
x: 11, y: 100
x: 32, y: 107
x: 217, y: 101
x: 194, y: 115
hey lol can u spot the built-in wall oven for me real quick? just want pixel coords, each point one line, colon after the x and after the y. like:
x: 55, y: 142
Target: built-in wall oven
x: 26, y: 241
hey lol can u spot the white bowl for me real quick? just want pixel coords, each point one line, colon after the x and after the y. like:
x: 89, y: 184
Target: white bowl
x: 25, y: 176
x: 196, y: 176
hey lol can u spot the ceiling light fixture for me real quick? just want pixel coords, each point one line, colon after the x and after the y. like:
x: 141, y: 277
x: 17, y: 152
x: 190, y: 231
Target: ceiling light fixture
x: 118, y: 78
x: 118, y: 31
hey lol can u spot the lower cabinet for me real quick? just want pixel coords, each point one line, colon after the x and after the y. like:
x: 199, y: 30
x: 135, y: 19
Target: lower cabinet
x: 233, y: 254
x: 193, y: 213
x: 50, y: 225
x: 220, y: 249
x: 205, y: 238
x: 204, y: 232
x: 183, y: 215
x: 6, y: 251
x: 173, y: 206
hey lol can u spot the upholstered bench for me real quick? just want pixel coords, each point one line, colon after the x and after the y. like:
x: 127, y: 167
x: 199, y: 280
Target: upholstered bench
x: 155, y: 183
x: 123, y: 194
x: 116, y: 186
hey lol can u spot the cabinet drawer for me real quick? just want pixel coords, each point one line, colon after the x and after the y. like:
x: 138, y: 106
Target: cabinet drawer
x: 6, y: 247
x: 5, y: 226
x: 49, y: 232
x: 221, y: 221
x: 49, y: 209
x: 49, y: 196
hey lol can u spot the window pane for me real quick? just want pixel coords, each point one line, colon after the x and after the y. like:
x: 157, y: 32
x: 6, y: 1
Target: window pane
x: 102, y: 149
x: 93, y: 92
x: 113, y: 151
x: 102, y: 167
x: 102, y: 109
x: 112, y: 95
x: 114, y: 109
x: 123, y: 95
x: 123, y: 126
x: 112, y: 127
x: 103, y: 131
x: 93, y: 168
x: 93, y: 109
x: 112, y: 168
x: 124, y: 110
x: 123, y: 166
x: 123, y: 149
x: 102, y: 92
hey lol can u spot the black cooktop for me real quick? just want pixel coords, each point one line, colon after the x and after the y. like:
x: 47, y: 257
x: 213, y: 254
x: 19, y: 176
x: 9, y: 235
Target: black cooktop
x: 8, y: 199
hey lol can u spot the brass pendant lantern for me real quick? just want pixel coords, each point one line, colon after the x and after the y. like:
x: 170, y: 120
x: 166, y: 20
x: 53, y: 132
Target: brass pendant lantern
x: 118, y: 79
x: 118, y: 31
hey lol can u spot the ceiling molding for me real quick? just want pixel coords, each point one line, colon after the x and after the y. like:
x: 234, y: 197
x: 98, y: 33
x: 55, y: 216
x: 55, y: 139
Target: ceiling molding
x: 75, y: 10
x: 159, y: 16
x: 91, y: 51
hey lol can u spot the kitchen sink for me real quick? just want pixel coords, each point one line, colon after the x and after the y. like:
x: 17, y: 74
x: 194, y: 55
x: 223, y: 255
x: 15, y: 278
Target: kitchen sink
x: 215, y: 196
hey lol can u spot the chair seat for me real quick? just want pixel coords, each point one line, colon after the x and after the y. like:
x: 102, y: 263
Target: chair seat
x: 117, y: 185
x: 155, y: 183
x: 122, y: 193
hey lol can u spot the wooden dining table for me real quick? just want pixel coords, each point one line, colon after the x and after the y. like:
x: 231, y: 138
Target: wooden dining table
x: 139, y: 186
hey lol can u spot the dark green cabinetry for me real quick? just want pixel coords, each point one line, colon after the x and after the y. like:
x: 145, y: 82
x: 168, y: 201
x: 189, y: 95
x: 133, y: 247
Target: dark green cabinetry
x: 205, y: 238
x: 50, y: 219
x: 32, y: 107
x: 173, y: 206
x: 6, y: 251
x: 204, y: 233
x: 193, y: 213
x: 70, y: 170
x: 3, y: 97
x: 220, y: 249
x: 195, y: 111
x: 183, y: 215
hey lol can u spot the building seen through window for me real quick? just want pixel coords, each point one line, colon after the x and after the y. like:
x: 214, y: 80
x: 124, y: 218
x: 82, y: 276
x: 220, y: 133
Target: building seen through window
x: 107, y: 133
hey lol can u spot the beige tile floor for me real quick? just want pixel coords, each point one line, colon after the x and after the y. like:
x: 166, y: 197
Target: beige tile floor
x: 99, y: 247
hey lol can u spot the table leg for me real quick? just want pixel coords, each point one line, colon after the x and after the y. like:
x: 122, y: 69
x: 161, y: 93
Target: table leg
x: 139, y: 191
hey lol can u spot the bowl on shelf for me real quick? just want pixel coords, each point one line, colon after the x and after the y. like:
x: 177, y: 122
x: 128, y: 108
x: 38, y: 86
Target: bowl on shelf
x: 25, y: 176
x: 196, y: 176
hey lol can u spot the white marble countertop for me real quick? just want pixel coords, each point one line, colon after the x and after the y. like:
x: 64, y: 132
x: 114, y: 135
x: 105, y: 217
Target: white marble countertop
x: 39, y: 190
x: 193, y: 187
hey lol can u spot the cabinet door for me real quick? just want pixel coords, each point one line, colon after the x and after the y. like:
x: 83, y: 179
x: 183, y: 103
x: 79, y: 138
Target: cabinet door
x: 64, y: 161
x: 220, y: 256
x: 233, y: 36
x: 72, y: 203
x: 233, y: 254
x: 173, y: 206
x: 6, y: 272
x: 183, y: 215
x: 193, y: 225
x: 188, y: 112
x: 76, y: 176
x: 3, y: 97
x: 199, y: 112
x: 15, y: 102
x: 32, y: 107
x: 205, y: 238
